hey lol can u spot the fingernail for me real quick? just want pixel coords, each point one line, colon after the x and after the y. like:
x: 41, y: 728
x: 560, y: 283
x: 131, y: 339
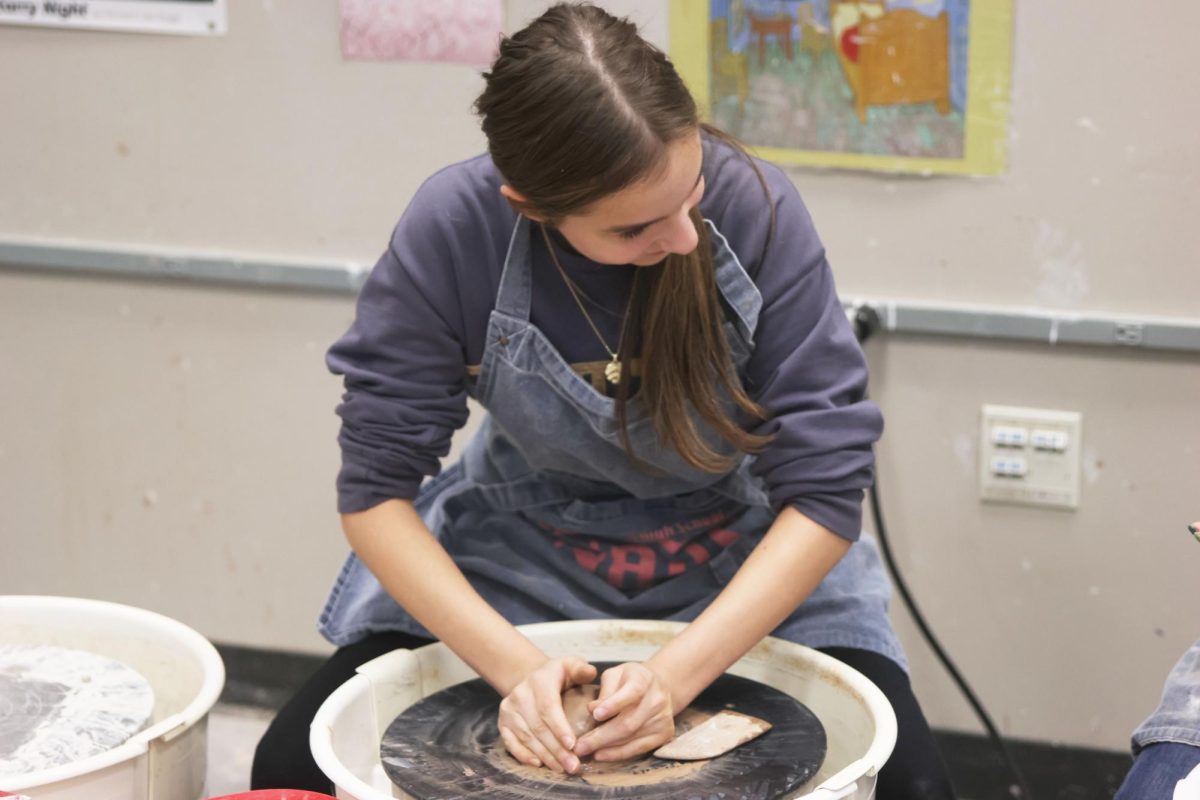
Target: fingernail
x: 572, y: 764
x: 568, y: 742
x: 582, y: 748
x: 600, y: 713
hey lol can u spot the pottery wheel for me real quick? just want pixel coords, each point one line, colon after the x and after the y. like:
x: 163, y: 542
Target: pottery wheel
x: 447, y: 745
x: 59, y: 705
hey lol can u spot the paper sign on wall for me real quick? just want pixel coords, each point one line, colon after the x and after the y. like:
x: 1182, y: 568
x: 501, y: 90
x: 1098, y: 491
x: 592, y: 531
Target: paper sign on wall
x: 458, y: 31
x: 144, y: 16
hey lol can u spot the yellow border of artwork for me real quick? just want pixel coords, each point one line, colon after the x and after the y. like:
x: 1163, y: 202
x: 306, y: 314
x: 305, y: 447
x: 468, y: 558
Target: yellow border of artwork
x: 989, y: 69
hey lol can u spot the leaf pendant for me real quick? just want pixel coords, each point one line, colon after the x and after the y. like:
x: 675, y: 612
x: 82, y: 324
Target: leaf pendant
x: 612, y: 371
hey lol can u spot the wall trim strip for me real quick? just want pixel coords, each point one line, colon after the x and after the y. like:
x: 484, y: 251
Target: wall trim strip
x: 1047, y: 326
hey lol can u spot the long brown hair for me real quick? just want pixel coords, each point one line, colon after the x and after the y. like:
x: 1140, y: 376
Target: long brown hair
x: 578, y: 106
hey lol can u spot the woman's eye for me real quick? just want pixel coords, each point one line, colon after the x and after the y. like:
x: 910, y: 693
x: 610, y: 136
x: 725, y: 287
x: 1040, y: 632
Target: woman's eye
x: 633, y: 233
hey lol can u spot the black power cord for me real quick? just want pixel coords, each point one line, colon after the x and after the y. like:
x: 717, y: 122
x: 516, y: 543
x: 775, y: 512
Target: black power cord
x: 866, y: 323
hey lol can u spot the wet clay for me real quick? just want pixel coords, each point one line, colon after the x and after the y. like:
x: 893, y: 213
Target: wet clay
x: 632, y: 772
x: 715, y: 737
x: 640, y: 771
x: 577, y: 699
x: 575, y: 705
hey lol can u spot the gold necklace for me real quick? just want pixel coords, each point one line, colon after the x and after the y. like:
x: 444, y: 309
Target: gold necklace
x: 612, y: 370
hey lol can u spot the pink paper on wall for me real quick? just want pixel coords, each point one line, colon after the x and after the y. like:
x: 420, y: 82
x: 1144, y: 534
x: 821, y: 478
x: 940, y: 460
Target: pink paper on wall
x: 459, y: 31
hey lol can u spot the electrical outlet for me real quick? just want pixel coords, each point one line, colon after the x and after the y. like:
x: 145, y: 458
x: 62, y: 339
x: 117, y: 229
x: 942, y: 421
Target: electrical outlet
x: 1030, y: 456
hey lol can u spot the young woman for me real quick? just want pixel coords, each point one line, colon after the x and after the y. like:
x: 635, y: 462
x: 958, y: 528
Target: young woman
x: 677, y: 425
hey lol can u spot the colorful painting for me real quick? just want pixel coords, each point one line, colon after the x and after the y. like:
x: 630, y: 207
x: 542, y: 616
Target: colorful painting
x: 894, y: 85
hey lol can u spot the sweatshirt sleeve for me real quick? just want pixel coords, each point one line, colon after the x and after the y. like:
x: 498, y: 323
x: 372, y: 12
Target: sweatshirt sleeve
x: 403, y: 362
x: 807, y: 369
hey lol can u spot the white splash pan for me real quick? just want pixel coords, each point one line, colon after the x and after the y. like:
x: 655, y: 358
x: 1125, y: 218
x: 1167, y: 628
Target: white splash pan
x: 859, y: 721
x: 166, y: 760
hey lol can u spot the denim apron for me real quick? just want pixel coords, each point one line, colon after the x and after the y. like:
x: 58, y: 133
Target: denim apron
x: 1177, y: 718
x: 549, y: 519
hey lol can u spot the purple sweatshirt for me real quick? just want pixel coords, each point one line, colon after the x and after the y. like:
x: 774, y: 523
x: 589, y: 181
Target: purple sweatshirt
x: 423, y: 312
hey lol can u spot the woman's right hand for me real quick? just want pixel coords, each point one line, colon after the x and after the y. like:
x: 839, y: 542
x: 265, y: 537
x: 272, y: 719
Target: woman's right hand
x: 531, y: 721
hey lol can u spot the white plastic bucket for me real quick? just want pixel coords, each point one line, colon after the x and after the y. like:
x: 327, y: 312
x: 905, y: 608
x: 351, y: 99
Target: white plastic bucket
x: 859, y: 721
x: 166, y: 760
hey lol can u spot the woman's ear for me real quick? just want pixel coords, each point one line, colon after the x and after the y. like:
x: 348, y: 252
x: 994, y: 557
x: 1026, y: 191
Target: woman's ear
x: 519, y: 203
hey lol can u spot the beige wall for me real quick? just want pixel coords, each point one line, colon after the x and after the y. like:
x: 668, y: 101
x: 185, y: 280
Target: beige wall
x: 173, y: 447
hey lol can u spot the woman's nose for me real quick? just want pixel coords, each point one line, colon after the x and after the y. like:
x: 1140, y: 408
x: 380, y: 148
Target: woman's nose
x: 681, y: 237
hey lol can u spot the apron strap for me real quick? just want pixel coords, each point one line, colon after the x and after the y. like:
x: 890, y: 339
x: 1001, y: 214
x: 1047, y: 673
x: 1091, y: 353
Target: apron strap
x: 516, y: 282
x: 735, y: 284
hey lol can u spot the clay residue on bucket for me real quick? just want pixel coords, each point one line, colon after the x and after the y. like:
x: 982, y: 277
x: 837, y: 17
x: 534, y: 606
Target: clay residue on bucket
x: 633, y: 637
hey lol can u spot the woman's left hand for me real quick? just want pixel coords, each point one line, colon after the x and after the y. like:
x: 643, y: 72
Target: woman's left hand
x: 636, y: 714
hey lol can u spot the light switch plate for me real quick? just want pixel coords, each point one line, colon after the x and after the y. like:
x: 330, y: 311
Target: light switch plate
x: 1017, y: 466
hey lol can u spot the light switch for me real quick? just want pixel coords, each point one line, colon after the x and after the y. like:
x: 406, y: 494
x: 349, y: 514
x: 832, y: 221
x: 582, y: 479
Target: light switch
x: 1055, y: 440
x: 1010, y: 467
x: 1008, y: 436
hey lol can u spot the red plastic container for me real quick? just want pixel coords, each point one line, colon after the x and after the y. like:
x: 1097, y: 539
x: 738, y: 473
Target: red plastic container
x: 275, y: 794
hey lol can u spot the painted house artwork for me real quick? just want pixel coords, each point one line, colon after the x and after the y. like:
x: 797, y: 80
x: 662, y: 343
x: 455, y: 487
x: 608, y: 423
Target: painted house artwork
x: 897, y: 85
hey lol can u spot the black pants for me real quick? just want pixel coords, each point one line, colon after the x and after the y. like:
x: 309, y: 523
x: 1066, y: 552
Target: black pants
x: 283, y: 760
